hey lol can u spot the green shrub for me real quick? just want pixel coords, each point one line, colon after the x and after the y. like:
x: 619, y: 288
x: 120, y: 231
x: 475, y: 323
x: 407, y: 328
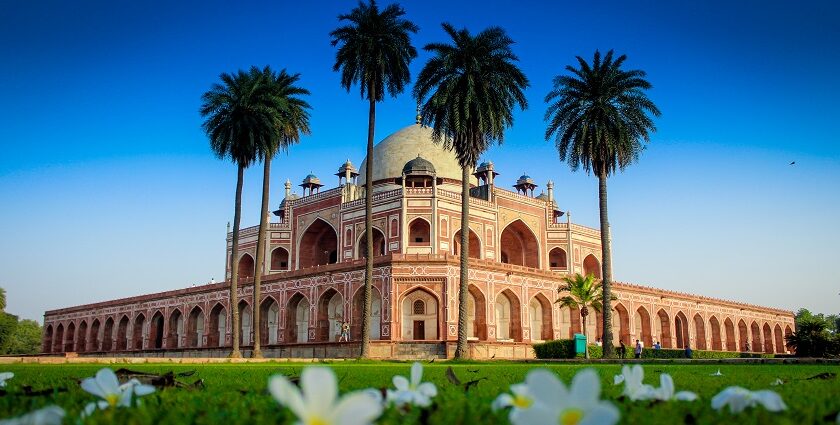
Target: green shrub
x: 555, y: 349
x: 595, y: 351
x: 666, y: 353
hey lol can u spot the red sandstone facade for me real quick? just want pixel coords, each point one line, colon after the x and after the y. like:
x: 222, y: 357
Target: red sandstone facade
x: 520, y: 246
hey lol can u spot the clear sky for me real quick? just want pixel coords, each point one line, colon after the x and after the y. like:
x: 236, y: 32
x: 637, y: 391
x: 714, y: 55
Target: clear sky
x: 109, y: 189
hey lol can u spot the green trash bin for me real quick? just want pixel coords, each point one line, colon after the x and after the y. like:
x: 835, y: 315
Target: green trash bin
x: 580, y: 344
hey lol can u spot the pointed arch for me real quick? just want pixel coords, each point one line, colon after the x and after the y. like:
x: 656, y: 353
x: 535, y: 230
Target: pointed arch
x: 70, y: 338
x: 318, y: 245
x: 59, y: 339
x: 778, y: 339
x: 768, y: 339
x: 591, y: 266
x: 508, y: 316
x: 108, y: 335
x: 81, y: 344
x: 375, y: 314
x: 557, y: 259
x: 623, y: 330
x: 123, y: 342
x: 519, y: 245
x: 755, y: 333
x: 330, y: 315
x: 195, y: 327
x: 269, y: 321
x: 218, y: 324
x: 699, y: 332
x: 379, y: 247
x: 279, y: 259
x: 539, y: 313
x: 138, y: 332
x: 476, y: 313
x: 641, y: 320
x: 419, y: 308
x: 729, y: 328
x: 297, y: 318
x: 475, y: 244
x: 714, y: 328
x: 93, y: 344
x: 246, y: 317
x: 176, y: 329
x: 681, y: 330
x: 47, y: 346
x: 744, y: 334
x: 246, y: 266
x: 664, y: 329
x: 419, y: 232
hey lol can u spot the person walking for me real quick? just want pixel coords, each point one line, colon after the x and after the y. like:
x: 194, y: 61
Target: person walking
x: 638, y: 350
x: 657, y: 345
x: 688, y: 351
x: 345, y: 332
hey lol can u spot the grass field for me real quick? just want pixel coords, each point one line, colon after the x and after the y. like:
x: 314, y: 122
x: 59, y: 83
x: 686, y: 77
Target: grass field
x: 236, y: 393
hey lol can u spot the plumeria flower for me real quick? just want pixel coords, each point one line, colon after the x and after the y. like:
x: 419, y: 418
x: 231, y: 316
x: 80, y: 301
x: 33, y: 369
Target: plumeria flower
x: 665, y: 392
x: 518, y: 400
x: 5, y: 376
x: 716, y: 373
x: 50, y: 415
x: 106, y: 386
x: 556, y: 404
x: 317, y: 401
x: 412, y: 391
x: 632, y: 378
x: 738, y: 399
x: 777, y: 382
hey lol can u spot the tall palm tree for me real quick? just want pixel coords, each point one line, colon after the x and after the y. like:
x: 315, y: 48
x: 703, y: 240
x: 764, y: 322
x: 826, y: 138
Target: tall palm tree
x: 599, y: 117
x: 291, y: 121
x: 374, y: 50
x: 468, y: 91
x: 239, y: 118
x: 583, y: 293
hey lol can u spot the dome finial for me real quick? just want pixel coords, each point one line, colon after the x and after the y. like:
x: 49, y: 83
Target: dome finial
x: 419, y: 117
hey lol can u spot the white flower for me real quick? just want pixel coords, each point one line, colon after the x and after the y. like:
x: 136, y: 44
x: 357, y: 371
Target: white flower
x: 632, y: 378
x: 317, y: 401
x: 5, y: 376
x: 738, y: 399
x: 414, y: 391
x: 555, y: 404
x: 716, y: 373
x: 665, y: 392
x: 518, y: 400
x: 50, y: 415
x: 107, y: 387
x: 777, y: 382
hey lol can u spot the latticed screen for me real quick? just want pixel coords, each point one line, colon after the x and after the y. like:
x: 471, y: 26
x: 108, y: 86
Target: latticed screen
x: 419, y: 307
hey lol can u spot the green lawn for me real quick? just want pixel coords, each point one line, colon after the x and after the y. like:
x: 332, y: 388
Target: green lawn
x: 237, y: 393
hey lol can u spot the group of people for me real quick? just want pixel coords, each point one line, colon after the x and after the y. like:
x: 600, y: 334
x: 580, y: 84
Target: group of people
x: 621, y: 350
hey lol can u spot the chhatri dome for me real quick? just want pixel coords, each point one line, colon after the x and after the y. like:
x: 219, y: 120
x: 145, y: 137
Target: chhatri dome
x: 395, y: 151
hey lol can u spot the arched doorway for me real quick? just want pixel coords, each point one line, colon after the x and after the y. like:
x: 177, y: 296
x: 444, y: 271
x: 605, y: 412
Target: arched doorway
x: 475, y: 245
x: 557, y: 259
x: 176, y: 329
x: 195, y: 327
x: 122, y: 334
x: 700, y: 331
x: 47, y: 347
x: 714, y: 326
x: 245, y: 319
x: 591, y: 266
x: 378, y: 244
x: 108, y: 335
x: 297, y: 319
x: 623, y: 330
x: 138, y: 333
x: 788, y: 333
x: 476, y: 314
x: 768, y: 339
x: 156, y: 331
x: 419, y: 233
x: 59, y: 339
x: 641, y: 320
x: 508, y: 314
x: 330, y: 316
x: 93, y: 345
x: 539, y: 312
x: 70, y: 342
x: 269, y: 321
x: 744, y: 336
x: 731, y: 342
x: 780, y: 340
x: 419, y: 316
x: 519, y: 246
x: 681, y: 329
x: 246, y: 266
x: 216, y: 334
x: 756, y: 337
x: 318, y: 245
x: 81, y: 346
x: 664, y: 329
x: 375, y: 314
x: 279, y: 259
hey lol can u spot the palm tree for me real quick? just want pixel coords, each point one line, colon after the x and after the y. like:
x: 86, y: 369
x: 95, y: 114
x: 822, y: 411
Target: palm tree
x: 583, y: 293
x: 292, y: 120
x: 239, y: 118
x: 374, y: 51
x: 472, y: 87
x: 599, y: 118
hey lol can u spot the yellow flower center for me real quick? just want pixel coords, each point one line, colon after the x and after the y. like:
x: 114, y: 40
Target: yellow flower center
x: 571, y: 416
x: 522, y: 401
x: 112, y: 399
x: 316, y: 420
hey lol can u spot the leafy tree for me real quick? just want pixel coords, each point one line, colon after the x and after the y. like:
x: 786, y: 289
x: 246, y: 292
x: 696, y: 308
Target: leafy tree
x: 290, y: 121
x: 583, y: 292
x: 374, y: 51
x: 599, y: 118
x: 239, y: 118
x: 2, y: 299
x: 811, y: 339
x: 26, y: 338
x: 468, y: 91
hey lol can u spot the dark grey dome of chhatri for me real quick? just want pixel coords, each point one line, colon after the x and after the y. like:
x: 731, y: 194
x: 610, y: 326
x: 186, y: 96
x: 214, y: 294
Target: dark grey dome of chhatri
x: 418, y: 166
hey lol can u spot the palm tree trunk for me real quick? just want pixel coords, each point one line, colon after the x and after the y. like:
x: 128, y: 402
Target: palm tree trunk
x: 234, y: 264
x: 586, y: 347
x: 461, y: 348
x: 259, y: 267
x: 606, y: 266
x: 365, y: 349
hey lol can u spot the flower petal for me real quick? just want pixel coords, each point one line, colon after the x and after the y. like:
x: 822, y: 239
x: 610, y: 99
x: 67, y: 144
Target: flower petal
x: 502, y: 401
x: 126, y: 396
x: 618, y: 379
x: 771, y: 400
x: 666, y: 387
x: 89, y: 409
x: 287, y: 394
x: 546, y: 387
x: 400, y: 383
x: 90, y: 385
x: 319, y: 388
x: 143, y: 389
x: 357, y: 408
x: 585, y: 390
x: 685, y: 396
x: 107, y: 381
x: 416, y: 374
x: 428, y: 389
x: 537, y: 414
x: 604, y: 413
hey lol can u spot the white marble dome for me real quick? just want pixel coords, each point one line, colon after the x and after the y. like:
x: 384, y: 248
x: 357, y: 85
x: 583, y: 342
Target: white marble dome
x: 393, y: 152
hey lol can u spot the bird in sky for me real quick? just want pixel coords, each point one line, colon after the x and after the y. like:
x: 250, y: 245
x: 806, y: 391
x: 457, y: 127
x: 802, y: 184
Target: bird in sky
x: 792, y: 163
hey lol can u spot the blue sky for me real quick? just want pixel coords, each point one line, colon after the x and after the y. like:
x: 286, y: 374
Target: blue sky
x: 109, y: 188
